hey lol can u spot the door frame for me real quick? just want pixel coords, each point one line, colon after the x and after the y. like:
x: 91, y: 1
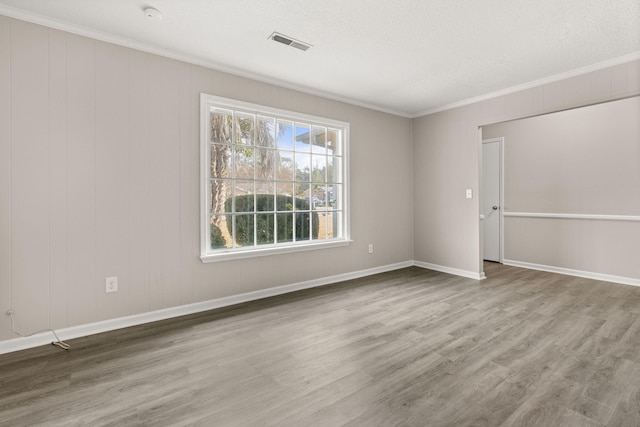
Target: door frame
x: 500, y: 141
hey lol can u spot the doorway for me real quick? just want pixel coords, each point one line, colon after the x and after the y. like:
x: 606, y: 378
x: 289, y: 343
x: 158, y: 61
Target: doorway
x: 492, y: 199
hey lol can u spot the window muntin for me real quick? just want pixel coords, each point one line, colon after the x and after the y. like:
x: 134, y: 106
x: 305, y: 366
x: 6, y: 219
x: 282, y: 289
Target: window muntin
x: 273, y: 180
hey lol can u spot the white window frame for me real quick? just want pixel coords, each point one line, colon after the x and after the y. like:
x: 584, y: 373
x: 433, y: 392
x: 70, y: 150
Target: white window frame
x: 212, y: 255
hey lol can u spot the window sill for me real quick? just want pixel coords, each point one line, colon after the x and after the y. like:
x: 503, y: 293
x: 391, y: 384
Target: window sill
x: 257, y: 252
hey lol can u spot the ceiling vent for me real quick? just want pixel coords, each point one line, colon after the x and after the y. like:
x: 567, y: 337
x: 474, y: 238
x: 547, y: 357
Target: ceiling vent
x: 281, y: 38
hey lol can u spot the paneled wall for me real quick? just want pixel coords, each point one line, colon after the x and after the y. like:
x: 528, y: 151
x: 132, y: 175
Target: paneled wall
x: 572, y: 188
x: 447, y: 153
x: 99, y: 176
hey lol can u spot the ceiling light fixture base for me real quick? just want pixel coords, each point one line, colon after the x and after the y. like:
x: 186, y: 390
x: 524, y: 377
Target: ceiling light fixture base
x: 152, y: 13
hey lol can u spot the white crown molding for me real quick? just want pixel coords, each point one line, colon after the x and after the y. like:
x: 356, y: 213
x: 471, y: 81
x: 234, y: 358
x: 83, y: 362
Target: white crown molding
x: 148, y: 48
x: 111, y: 38
x: 535, y: 83
x: 578, y: 273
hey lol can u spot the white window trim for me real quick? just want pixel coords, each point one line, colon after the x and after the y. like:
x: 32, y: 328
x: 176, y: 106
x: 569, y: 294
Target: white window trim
x: 206, y: 101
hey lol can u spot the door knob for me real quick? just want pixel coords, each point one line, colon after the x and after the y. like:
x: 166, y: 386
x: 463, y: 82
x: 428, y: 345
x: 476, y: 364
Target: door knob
x: 495, y: 208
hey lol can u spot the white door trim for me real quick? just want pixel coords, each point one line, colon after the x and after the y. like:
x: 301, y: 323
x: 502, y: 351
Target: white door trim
x: 500, y: 142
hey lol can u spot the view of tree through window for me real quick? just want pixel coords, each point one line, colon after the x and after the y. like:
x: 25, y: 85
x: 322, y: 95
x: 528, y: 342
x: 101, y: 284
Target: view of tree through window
x: 273, y: 180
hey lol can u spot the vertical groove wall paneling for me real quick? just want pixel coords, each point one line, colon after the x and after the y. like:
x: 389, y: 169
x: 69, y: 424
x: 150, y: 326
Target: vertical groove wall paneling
x: 189, y: 184
x: 156, y: 181
x: 139, y: 181
x: 112, y: 167
x: 81, y: 162
x: 58, y: 177
x: 169, y: 149
x: 445, y: 160
x: 30, y: 175
x: 5, y: 176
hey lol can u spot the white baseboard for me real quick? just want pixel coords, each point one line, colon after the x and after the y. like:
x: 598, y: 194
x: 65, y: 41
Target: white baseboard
x: 16, y: 344
x: 571, y: 272
x: 450, y: 270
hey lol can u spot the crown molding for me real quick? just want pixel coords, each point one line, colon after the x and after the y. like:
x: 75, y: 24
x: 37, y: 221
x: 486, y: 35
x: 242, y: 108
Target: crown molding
x: 194, y: 60
x: 155, y: 50
x: 535, y: 83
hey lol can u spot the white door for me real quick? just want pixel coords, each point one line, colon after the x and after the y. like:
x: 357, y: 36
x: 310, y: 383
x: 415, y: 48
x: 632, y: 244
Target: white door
x: 491, y: 190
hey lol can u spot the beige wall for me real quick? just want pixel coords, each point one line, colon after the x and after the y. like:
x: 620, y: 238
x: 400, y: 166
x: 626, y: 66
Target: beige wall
x: 99, y: 176
x: 584, y: 161
x: 447, y: 153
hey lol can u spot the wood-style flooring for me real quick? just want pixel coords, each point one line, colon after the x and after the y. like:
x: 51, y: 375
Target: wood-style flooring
x: 410, y: 347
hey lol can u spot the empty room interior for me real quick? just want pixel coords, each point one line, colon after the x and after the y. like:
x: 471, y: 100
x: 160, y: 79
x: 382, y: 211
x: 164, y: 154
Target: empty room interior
x: 327, y: 213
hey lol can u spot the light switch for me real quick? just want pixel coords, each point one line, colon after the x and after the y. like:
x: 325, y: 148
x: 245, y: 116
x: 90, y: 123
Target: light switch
x: 469, y: 193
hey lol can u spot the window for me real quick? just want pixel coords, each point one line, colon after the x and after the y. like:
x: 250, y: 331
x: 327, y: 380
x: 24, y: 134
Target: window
x: 273, y: 181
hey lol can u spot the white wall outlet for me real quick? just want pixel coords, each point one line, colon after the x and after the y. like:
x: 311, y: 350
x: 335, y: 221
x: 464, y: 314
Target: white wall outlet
x: 469, y: 193
x: 370, y: 248
x: 111, y: 284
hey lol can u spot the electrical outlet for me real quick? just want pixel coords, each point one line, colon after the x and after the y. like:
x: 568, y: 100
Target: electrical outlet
x: 370, y: 248
x: 111, y: 284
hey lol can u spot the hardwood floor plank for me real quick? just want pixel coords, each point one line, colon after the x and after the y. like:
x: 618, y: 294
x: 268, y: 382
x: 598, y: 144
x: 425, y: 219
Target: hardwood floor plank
x: 609, y: 382
x: 411, y: 347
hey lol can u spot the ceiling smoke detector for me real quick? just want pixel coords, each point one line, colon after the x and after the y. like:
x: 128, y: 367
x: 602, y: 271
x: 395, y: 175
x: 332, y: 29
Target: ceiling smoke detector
x: 153, y: 14
x: 281, y: 38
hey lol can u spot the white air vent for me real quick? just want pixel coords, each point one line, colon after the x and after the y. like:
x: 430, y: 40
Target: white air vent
x: 281, y: 38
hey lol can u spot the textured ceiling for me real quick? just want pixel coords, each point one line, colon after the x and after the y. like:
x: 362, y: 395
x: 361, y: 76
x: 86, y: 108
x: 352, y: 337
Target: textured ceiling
x: 405, y: 56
